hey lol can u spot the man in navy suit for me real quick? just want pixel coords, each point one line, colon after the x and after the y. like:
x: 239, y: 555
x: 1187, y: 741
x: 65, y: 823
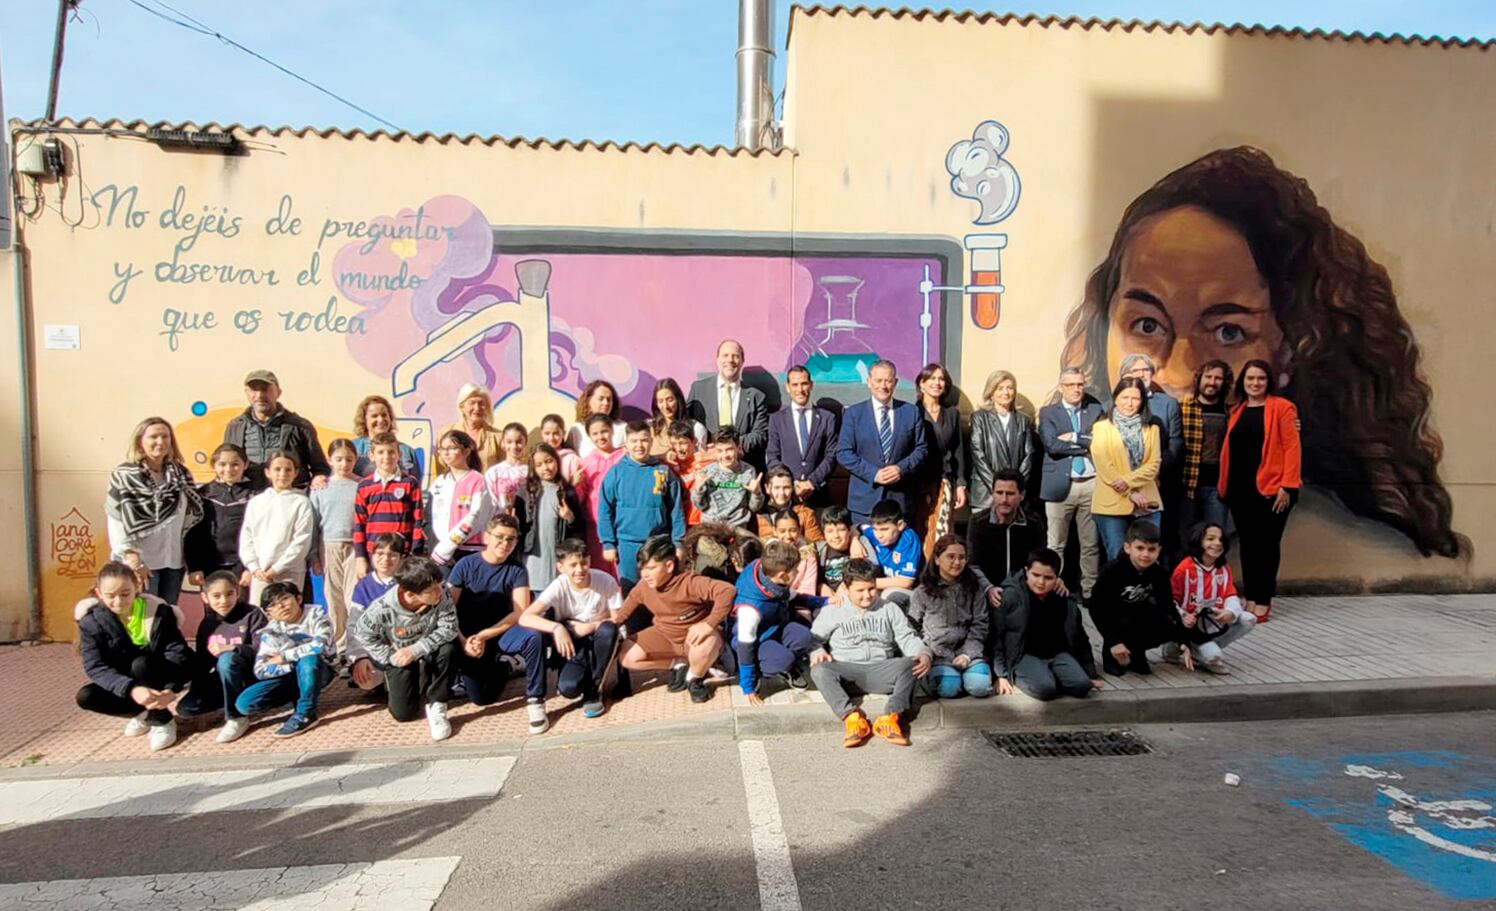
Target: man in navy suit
x: 802, y: 438
x: 882, y: 445
x: 1068, y: 478
x: 724, y: 400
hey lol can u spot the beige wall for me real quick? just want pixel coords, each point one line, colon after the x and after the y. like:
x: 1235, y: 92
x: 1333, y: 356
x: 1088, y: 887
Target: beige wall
x: 1393, y: 139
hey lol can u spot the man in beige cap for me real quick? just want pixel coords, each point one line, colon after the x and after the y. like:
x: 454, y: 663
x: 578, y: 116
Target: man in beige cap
x: 266, y: 426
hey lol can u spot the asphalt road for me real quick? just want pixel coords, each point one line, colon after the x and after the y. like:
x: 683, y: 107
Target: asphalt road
x: 945, y: 823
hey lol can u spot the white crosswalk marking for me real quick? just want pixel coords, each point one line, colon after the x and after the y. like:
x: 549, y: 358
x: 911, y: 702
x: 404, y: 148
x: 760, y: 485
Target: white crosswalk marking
x: 297, y: 787
x: 396, y: 885
x: 778, y: 890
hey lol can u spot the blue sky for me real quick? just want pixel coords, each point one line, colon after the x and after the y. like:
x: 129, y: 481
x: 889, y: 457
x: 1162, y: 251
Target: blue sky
x: 600, y: 69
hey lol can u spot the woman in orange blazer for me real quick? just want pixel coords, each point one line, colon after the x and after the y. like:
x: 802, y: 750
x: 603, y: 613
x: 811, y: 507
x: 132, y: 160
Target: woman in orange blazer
x: 1260, y: 480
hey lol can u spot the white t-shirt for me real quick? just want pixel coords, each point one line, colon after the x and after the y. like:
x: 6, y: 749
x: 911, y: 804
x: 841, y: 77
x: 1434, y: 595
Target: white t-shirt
x: 586, y: 606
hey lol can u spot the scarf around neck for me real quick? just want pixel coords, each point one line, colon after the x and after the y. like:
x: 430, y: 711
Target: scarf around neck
x: 145, y: 504
x: 1131, y: 429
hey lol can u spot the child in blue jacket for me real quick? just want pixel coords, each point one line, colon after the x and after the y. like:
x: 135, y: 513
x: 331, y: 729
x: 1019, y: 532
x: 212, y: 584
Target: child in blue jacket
x: 640, y: 498
x: 770, y: 636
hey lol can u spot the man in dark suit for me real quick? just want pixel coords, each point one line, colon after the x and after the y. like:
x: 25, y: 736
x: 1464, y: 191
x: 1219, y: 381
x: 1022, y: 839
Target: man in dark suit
x: 802, y: 438
x: 724, y: 401
x: 1069, y: 477
x: 882, y: 445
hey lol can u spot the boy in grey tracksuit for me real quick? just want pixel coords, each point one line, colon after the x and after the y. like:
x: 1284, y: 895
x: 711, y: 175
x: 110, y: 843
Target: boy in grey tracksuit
x: 411, y: 635
x: 868, y: 642
x: 728, y: 490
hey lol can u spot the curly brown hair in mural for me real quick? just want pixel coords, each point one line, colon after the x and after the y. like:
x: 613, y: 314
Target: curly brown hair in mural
x: 1230, y: 257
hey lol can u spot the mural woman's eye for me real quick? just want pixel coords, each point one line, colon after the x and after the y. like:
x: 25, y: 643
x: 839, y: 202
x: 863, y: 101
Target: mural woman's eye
x: 1230, y: 334
x: 1147, y: 325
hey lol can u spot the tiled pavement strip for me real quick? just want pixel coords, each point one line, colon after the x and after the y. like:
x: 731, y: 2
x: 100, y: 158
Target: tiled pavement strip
x: 1311, y: 646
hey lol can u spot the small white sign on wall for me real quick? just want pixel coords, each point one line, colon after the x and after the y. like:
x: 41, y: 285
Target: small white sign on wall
x: 62, y: 338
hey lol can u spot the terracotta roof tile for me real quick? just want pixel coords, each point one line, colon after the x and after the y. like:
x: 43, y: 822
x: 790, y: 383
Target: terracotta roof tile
x: 1127, y: 25
x: 248, y: 132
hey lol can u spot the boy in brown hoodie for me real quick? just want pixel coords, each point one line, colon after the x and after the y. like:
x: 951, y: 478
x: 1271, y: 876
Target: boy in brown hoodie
x: 688, y: 610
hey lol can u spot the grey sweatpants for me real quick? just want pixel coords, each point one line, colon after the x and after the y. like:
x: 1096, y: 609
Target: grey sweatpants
x: 891, y: 676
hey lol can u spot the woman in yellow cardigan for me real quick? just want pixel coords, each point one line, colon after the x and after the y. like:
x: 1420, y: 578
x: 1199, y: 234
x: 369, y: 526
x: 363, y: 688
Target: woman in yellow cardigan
x: 1125, y: 451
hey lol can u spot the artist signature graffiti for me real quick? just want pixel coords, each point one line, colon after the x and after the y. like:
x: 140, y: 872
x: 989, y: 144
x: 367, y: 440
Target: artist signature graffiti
x: 72, y: 546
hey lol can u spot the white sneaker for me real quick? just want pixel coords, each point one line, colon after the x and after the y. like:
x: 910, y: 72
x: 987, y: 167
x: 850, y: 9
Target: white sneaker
x: 436, y: 718
x: 137, y: 726
x: 539, y: 723
x: 233, y: 729
x: 163, y: 735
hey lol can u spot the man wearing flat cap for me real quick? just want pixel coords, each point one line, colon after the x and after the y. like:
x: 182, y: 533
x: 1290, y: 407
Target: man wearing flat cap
x: 266, y: 427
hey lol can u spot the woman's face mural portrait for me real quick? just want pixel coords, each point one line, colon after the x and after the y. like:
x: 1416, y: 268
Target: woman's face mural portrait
x: 1230, y: 257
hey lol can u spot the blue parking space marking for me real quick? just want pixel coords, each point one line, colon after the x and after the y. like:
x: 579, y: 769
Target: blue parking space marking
x: 1429, y: 814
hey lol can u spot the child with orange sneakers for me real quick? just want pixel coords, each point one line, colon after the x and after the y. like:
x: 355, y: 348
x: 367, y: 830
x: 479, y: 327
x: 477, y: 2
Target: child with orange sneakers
x: 867, y: 641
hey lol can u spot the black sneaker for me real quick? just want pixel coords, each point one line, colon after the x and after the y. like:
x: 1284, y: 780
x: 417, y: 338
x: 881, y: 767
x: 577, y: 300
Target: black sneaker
x: 1140, y: 664
x: 700, y: 692
x: 677, y: 679
x: 795, y: 677
x: 1109, y: 665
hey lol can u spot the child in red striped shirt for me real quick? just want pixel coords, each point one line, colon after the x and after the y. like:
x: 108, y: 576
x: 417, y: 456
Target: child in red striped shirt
x: 388, y: 502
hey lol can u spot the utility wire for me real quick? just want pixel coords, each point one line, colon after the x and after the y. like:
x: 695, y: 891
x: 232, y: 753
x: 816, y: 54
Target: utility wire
x: 185, y: 21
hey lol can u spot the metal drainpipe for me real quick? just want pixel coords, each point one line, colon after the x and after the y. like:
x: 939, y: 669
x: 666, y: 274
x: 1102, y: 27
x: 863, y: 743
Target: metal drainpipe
x: 28, y: 465
x: 755, y: 59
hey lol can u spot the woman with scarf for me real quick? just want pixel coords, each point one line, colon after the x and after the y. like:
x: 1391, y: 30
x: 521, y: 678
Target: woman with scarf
x: 1125, y: 449
x: 151, y: 504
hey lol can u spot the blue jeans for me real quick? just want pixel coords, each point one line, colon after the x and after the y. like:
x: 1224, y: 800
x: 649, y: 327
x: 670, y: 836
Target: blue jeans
x: 1113, y: 531
x: 217, y: 689
x: 582, y: 673
x: 484, y: 677
x: 947, y: 681
x: 1204, y: 506
x: 301, y: 687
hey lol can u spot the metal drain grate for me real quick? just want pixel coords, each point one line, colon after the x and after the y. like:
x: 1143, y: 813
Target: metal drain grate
x: 1056, y: 744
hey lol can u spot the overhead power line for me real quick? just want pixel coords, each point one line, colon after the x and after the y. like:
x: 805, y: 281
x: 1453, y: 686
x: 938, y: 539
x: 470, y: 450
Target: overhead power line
x: 183, y: 20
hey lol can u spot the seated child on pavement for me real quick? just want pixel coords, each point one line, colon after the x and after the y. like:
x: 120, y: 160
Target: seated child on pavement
x: 574, y: 610
x: 866, y: 641
x: 768, y: 636
x: 688, y: 609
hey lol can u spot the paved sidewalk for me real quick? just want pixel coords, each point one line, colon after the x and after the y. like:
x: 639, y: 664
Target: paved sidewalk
x: 1318, y: 657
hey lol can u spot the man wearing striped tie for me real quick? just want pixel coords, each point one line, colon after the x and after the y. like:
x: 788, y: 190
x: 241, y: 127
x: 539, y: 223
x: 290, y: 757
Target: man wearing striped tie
x: 882, y: 445
x: 1068, y: 478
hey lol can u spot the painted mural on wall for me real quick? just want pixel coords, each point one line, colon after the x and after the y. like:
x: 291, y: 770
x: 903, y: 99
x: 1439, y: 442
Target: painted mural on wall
x: 536, y: 327
x: 979, y: 172
x: 1231, y: 257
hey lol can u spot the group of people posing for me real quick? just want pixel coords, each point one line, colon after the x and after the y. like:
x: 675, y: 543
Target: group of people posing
x: 704, y: 542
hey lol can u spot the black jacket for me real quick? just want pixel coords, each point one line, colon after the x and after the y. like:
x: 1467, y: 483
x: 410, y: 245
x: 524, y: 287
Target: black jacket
x: 284, y: 430
x: 1001, y: 550
x: 1136, y: 607
x: 213, y: 543
x: 993, y: 449
x: 1008, y: 631
x: 529, y: 522
x: 239, y: 628
x: 108, y: 652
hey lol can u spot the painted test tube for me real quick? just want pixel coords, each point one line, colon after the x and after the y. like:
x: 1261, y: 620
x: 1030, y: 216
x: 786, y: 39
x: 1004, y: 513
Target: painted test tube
x: 986, y: 272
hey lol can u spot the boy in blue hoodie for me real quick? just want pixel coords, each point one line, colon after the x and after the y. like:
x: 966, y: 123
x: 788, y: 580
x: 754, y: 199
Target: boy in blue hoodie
x: 640, y: 498
x: 767, y: 632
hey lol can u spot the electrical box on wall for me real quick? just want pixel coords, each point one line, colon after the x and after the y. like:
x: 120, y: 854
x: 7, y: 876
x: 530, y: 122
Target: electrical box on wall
x: 41, y: 158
